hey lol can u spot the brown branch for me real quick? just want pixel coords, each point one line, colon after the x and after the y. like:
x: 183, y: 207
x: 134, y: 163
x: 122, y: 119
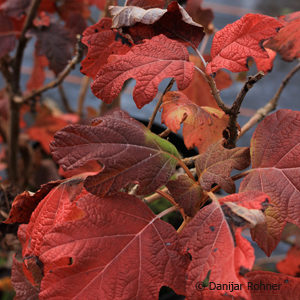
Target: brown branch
x: 64, y: 99
x: 165, y: 133
x: 214, y: 90
x: 158, y: 104
x: 14, y: 91
x: 77, y: 57
x: 154, y: 196
x: 166, y: 212
x: 235, y: 109
x: 34, y: 5
x: 189, y: 161
x: 271, y: 105
x: 172, y: 201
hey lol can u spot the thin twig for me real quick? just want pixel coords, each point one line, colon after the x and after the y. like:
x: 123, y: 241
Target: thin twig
x: 82, y: 94
x: 167, y: 196
x: 235, y: 109
x: 22, y: 44
x: 200, y: 55
x: 64, y: 99
x: 169, y: 86
x: 214, y: 90
x: 154, y: 196
x: 271, y: 105
x: 189, y: 161
x: 166, y: 212
x: 185, y: 168
x: 183, y: 224
x: 172, y: 201
x: 203, y: 44
x: 165, y: 133
x: 77, y: 57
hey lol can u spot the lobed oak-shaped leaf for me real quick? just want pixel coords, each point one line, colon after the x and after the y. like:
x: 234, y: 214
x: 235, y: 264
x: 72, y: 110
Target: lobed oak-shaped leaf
x: 236, y: 42
x: 284, y: 287
x: 174, y: 22
x: 186, y: 192
x: 202, y: 126
x: 129, y: 152
x: 101, y: 41
x: 287, y: 41
x: 275, y: 148
x: 109, y: 248
x: 291, y: 264
x: 214, y: 166
x: 215, y: 253
x: 148, y: 63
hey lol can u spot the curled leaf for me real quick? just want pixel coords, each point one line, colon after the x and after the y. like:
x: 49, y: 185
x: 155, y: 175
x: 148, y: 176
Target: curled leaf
x: 174, y: 22
x: 202, y: 126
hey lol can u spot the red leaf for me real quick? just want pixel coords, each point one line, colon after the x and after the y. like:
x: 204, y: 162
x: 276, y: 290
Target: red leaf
x: 186, y: 192
x: 263, y: 285
x: 146, y: 4
x: 115, y: 248
x: 47, y: 43
x: 164, y: 57
x: 266, y: 64
x: 24, y: 204
x: 208, y: 239
x: 275, y: 163
x: 242, y: 39
x: 287, y: 40
x: 199, y: 90
x: 38, y: 74
x: 101, y: 42
x: 46, y: 125
x: 129, y: 152
x: 23, y: 287
x: 291, y: 264
x: 174, y: 22
x: 7, y: 34
x: 202, y: 125
x: 215, y: 165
